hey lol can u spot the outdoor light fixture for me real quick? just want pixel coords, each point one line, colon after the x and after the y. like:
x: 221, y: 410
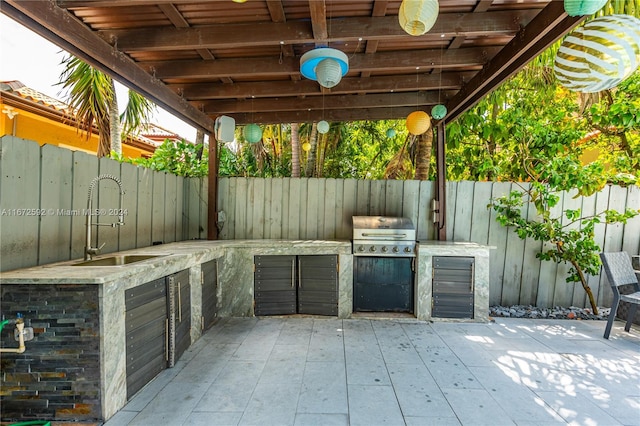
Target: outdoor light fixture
x: 583, y: 7
x: 417, y: 17
x: 418, y: 122
x: 439, y: 112
x: 325, y: 65
x: 252, y: 133
x: 323, y: 127
x: 600, y: 55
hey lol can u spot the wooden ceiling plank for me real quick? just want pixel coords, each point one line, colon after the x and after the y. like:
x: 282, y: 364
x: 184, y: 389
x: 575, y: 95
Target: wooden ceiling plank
x: 348, y: 29
x: 55, y: 25
x: 549, y: 25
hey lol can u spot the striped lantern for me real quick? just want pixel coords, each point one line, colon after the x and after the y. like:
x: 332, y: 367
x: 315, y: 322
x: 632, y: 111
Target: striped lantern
x: 417, y: 17
x: 600, y: 55
x: 583, y: 7
x: 418, y: 122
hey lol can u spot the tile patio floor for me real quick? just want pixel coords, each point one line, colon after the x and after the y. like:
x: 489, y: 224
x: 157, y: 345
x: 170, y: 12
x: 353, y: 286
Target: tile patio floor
x: 327, y: 371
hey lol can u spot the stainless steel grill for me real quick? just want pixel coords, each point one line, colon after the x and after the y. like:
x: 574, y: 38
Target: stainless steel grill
x: 383, y: 236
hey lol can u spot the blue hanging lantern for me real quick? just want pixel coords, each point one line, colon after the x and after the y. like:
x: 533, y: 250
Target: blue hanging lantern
x: 583, y: 7
x: 391, y: 133
x: 439, y: 112
x: 252, y: 133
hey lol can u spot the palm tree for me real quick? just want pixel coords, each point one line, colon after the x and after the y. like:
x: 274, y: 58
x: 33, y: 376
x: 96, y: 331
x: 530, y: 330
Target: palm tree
x: 92, y: 95
x: 295, y: 150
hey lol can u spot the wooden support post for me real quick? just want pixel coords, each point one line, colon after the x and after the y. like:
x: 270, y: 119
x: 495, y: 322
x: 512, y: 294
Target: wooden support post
x: 212, y: 192
x: 441, y: 181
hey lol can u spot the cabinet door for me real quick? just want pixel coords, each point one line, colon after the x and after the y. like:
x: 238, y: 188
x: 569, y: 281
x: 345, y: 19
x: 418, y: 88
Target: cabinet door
x: 318, y: 285
x: 179, y: 315
x: 146, y: 326
x: 275, y: 285
x: 453, y: 287
x: 209, y: 293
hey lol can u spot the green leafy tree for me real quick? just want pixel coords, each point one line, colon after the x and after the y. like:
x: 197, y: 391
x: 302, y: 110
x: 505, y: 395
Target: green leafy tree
x: 180, y: 158
x: 92, y: 95
x: 569, y: 236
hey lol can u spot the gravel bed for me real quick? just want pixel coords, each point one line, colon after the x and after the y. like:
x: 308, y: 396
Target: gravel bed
x: 557, y: 312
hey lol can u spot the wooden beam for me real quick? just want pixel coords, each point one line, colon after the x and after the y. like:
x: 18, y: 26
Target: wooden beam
x: 304, y: 116
x: 300, y: 32
x: 548, y: 26
x: 333, y: 102
x: 318, y: 14
x: 64, y: 30
x: 381, y: 62
x: 303, y: 88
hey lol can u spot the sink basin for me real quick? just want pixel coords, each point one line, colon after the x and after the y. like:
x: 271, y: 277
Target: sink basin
x: 117, y: 260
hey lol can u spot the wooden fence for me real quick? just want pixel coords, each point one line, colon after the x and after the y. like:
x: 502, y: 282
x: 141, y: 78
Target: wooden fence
x: 290, y: 208
x: 43, y: 201
x: 41, y: 188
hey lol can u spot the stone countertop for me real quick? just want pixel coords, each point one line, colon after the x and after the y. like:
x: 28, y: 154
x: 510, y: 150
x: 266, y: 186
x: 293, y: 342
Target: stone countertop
x: 173, y: 257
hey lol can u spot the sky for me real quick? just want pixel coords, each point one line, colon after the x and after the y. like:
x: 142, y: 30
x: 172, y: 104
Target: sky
x: 34, y: 61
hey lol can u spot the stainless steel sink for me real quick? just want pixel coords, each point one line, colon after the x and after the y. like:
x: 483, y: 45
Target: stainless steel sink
x: 118, y: 260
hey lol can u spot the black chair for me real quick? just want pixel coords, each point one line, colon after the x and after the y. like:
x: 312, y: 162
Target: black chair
x: 619, y: 272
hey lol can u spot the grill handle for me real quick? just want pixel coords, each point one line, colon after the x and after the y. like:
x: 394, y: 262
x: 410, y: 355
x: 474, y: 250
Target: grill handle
x: 381, y: 234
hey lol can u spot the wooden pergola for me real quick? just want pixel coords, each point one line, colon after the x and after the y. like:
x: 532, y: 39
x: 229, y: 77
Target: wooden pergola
x: 200, y: 59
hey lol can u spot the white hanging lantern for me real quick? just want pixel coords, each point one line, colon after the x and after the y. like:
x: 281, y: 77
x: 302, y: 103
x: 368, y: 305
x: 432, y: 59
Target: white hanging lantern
x: 417, y: 17
x: 599, y: 55
x: 323, y: 127
x: 325, y: 65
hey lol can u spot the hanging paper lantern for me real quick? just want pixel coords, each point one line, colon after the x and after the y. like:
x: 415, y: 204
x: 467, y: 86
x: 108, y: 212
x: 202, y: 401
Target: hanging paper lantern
x: 417, y: 17
x: 391, y: 133
x: 252, y: 133
x: 439, y: 112
x: 418, y: 122
x: 583, y: 7
x: 306, y: 146
x: 325, y: 65
x: 323, y: 127
x: 599, y: 55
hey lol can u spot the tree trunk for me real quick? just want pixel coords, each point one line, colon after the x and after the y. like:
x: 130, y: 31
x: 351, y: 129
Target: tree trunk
x: 311, y: 159
x: 114, y: 122
x: 295, y: 150
x: 199, y: 144
x: 423, y: 154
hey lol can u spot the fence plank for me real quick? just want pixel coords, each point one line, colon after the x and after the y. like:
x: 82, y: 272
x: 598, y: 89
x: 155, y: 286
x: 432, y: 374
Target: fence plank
x: 256, y: 226
x: 530, y: 263
x: 349, y: 208
x: 85, y: 168
x: 393, y: 198
x: 601, y: 203
x: 19, y: 189
x: 55, y: 198
x: 242, y: 190
x: 498, y: 238
x: 631, y: 232
x: 425, y: 228
x: 512, y: 276
x: 464, y: 204
x: 277, y: 206
x: 170, y: 208
x: 294, y: 214
x: 315, y: 188
x: 329, y: 216
x: 363, y: 204
x: 145, y: 208
x: 107, y: 200
x: 126, y: 232
x: 481, y: 215
x: 378, y: 200
x: 410, y: 201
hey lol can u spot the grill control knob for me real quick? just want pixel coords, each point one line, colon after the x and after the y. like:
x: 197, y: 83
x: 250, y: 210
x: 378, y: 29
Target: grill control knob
x: 396, y: 249
x: 407, y: 249
x: 384, y: 249
x: 360, y: 248
x: 372, y: 248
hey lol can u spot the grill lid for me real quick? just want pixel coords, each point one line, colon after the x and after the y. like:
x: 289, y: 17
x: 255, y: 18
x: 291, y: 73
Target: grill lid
x: 383, y: 228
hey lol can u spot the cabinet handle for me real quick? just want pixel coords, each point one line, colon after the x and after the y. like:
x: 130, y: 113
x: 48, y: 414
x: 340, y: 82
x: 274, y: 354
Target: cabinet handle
x: 299, y: 273
x: 166, y: 339
x: 473, y: 276
x: 179, y: 303
x: 293, y: 273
